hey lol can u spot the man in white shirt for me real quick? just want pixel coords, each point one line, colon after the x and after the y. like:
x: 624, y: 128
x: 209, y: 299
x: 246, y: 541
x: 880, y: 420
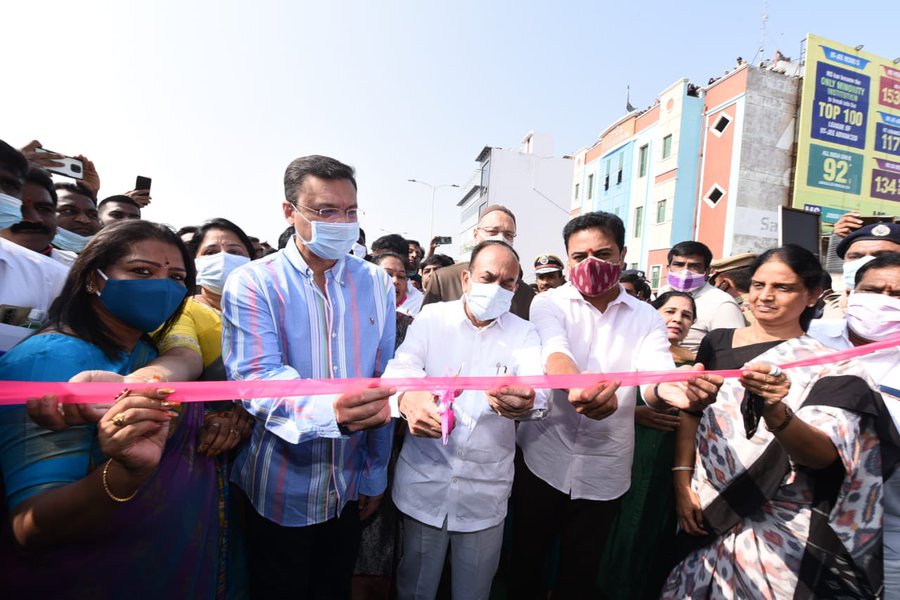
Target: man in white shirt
x: 456, y: 494
x: 29, y: 282
x: 576, y: 463
x: 689, y: 264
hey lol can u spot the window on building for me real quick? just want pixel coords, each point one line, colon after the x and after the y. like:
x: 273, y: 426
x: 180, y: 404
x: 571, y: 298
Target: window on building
x: 590, y: 186
x: 606, y: 179
x: 714, y: 194
x: 577, y: 191
x: 638, y: 221
x: 485, y: 173
x: 642, y: 160
x: 621, y: 168
x: 655, y: 271
x: 661, y: 211
x: 667, y: 146
x: 721, y: 124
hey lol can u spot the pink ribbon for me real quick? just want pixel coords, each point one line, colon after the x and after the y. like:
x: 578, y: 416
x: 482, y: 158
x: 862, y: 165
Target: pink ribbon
x: 16, y: 392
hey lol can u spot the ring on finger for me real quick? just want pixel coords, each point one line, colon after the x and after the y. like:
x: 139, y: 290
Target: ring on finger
x: 119, y: 420
x: 234, y: 432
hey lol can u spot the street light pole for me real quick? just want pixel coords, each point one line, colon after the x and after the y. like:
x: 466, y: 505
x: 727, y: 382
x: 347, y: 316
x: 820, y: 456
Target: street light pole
x: 434, y: 189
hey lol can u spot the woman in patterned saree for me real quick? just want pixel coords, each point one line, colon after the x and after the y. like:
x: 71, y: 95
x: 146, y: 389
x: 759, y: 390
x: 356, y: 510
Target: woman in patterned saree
x: 789, y: 507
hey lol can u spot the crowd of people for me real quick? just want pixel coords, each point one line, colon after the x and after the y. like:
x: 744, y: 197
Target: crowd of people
x: 778, y: 483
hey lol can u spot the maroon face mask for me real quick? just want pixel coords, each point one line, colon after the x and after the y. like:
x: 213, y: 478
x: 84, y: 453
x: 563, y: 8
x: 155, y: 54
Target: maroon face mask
x: 593, y: 276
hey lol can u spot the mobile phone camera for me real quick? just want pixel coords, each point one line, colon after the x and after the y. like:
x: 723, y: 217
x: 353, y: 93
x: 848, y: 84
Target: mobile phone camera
x: 76, y: 168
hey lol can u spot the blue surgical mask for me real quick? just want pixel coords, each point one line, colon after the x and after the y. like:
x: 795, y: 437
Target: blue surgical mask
x: 66, y: 240
x: 331, y: 241
x: 144, y: 304
x: 851, y: 267
x: 214, y: 269
x: 488, y: 301
x: 10, y: 211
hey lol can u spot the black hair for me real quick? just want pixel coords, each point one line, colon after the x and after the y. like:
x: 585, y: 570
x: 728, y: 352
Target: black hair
x: 77, y: 188
x: 14, y: 160
x: 740, y: 277
x: 691, y: 248
x: 74, y: 309
x: 378, y: 258
x: 410, y: 242
x: 123, y: 199
x: 192, y: 229
x: 393, y: 242
x: 40, y: 177
x: 640, y: 284
x: 441, y: 260
x: 285, y: 236
x: 225, y: 224
x: 804, y: 264
x: 663, y: 298
x: 884, y: 261
x: 486, y: 244
x: 604, y: 221
x: 322, y: 167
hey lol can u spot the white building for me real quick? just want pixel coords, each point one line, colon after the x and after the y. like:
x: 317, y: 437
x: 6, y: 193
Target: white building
x: 533, y: 184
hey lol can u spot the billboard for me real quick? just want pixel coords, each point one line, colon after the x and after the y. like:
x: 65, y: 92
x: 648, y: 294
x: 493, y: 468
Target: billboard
x: 848, y: 145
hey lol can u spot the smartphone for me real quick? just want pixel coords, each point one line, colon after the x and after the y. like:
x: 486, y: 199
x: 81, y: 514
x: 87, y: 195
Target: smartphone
x: 142, y: 183
x: 71, y: 167
x: 879, y: 219
x: 443, y: 240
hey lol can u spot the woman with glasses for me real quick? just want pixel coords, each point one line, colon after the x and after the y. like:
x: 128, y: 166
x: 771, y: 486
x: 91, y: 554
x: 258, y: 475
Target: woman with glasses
x: 779, y: 482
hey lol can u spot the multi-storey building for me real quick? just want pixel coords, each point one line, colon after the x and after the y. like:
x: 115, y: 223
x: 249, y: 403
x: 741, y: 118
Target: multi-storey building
x: 533, y: 183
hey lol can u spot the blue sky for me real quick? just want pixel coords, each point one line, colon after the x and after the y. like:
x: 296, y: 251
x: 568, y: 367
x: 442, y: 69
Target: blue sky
x: 213, y: 99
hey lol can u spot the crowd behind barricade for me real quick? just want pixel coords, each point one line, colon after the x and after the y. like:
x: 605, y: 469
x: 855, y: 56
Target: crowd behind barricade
x: 776, y: 484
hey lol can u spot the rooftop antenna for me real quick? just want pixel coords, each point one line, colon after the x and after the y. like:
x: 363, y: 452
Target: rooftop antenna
x: 762, y: 30
x: 628, y: 106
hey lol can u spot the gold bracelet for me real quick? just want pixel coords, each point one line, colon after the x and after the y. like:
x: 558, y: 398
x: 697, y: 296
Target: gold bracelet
x: 682, y: 468
x: 109, y: 492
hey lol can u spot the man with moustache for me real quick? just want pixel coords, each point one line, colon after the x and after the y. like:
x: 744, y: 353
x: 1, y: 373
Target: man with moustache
x: 77, y: 217
x: 38, y: 225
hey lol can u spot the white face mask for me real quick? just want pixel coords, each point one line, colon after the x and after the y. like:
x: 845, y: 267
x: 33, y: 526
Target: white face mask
x: 66, y: 240
x: 497, y: 238
x: 359, y: 251
x: 214, y: 269
x: 850, y: 269
x: 873, y: 317
x: 487, y: 301
x: 10, y: 211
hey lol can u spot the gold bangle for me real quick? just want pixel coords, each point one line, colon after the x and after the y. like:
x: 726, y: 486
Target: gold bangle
x: 109, y: 492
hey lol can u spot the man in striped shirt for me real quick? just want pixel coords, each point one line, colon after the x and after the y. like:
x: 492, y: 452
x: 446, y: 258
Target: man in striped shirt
x: 315, y: 465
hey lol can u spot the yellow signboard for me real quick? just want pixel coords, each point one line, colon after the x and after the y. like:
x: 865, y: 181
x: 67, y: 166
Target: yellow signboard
x: 848, y: 152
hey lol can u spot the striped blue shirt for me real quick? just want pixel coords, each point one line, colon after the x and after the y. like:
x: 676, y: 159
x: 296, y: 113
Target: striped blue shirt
x: 298, y: 469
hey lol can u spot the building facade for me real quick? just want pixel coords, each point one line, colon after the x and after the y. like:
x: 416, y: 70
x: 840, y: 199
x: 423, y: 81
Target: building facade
x: 534, y: 184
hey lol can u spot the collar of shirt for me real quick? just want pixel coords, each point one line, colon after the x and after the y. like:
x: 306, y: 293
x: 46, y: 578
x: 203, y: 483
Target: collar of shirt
x: 292, y: 253
x: 464, y: 318
x: 567, y: 290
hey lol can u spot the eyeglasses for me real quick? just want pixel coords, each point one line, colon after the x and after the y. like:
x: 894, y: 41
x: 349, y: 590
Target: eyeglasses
x: 334, y: 214
x: 493, y: 231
